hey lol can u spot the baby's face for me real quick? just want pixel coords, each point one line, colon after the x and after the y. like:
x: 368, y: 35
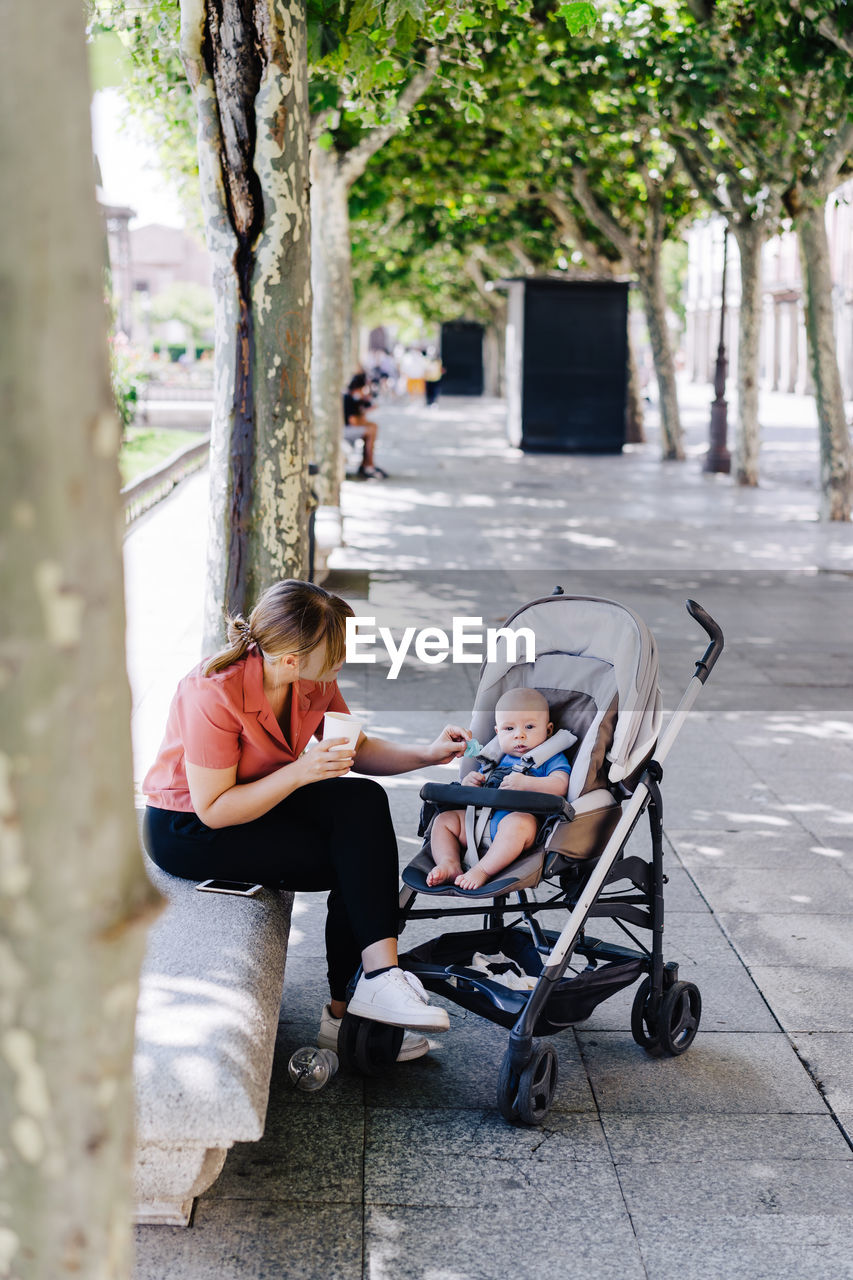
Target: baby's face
x: 520, y: 730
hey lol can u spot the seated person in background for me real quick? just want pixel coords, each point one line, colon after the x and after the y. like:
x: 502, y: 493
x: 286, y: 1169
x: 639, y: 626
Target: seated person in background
x: 522, y: 724
x: 356, y: 403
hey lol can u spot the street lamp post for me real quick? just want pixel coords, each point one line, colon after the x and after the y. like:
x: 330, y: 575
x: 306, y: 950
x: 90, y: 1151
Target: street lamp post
x: 718, y: 457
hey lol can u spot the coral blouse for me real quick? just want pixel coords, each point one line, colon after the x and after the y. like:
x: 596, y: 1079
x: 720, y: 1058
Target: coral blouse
x: 225, y: 719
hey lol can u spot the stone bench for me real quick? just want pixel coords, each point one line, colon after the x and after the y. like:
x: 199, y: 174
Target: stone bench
x: 208, y: 1013
x: 328, y: 536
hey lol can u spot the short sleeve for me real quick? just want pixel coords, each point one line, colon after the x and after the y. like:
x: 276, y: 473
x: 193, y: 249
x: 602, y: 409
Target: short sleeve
x: 209, y: 725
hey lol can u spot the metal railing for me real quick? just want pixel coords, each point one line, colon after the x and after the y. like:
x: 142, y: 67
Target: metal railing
x: 154, y: 485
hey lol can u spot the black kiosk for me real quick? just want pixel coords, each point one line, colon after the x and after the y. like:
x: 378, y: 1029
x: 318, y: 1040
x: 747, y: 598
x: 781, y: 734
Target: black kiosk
x: 567, y: 365
x: 462, y: 358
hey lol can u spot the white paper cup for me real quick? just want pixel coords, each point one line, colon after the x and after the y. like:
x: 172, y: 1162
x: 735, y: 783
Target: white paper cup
x: 338, y: 725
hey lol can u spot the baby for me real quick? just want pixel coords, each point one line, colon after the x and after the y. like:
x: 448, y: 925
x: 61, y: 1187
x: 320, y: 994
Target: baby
x: 522, y: 724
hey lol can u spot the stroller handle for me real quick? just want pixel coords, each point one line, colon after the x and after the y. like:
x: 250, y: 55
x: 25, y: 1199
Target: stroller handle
x: 706, y: 663
x: 455, y: 795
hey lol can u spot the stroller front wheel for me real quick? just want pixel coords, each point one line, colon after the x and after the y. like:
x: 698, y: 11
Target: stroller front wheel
x: 525, y: 1097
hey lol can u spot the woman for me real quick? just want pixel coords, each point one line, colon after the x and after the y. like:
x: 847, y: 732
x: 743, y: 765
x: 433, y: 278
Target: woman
x: 234, y: 794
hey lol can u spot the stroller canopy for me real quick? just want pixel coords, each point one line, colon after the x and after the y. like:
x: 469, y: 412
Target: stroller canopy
x: 596, y: 663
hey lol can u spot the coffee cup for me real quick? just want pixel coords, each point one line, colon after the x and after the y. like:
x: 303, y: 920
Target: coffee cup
x: 338, y: 725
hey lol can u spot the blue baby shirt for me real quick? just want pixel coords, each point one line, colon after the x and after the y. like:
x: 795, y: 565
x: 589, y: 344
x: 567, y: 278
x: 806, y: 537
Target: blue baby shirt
x: 556, y: 762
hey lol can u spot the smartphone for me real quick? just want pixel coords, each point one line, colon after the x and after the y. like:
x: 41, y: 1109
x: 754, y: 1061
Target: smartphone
x: 242, y: 888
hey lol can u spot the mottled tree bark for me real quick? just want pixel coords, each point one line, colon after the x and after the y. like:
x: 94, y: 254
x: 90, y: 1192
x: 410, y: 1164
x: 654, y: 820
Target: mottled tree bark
x: 634, y: 421
x: 834, y: 434
x: 331, y: 279
x: 750, y: 238
x: 247, y: 64
x: 73, y: 893
x: 654, y: 301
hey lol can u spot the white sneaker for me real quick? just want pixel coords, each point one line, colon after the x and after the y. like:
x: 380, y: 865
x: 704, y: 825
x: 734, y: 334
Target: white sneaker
x: 398, y: 999
x: 413, y: 1046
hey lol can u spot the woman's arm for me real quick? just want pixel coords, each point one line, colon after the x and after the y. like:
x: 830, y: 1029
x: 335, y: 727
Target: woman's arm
x: 219, y: 800
x: 378, y: 757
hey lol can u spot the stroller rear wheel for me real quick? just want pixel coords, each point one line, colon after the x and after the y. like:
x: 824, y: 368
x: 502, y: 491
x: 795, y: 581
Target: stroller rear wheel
x: 673, y: 1029
x: 525, y: 1097
x: 367, y: 1047
x: 678, y: 1021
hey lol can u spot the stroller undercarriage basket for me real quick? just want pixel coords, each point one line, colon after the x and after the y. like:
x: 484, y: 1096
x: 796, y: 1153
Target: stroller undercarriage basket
x: 444, y: 966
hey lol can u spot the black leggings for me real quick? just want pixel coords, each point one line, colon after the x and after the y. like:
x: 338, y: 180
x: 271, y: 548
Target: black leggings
x: 334, y: 835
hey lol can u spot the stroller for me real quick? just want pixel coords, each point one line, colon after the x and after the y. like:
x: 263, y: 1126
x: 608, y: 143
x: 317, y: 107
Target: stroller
x: 596, y: 664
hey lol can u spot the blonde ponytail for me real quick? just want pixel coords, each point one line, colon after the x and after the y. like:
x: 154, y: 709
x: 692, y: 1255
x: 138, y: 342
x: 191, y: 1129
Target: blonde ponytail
x: 290, y: 617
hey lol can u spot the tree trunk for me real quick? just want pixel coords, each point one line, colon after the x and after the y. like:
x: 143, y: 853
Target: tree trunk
x: 634, y: 426
x: 750, y: 238
x: 835, y: 454
x: 651, y: 287
x: 73, y: 893
x: 247, y: 65
x: 494, y: 356
x: 331, y: 280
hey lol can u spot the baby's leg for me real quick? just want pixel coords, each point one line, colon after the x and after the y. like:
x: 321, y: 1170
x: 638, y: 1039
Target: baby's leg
x: 447, y: 840
x: 516, y: 832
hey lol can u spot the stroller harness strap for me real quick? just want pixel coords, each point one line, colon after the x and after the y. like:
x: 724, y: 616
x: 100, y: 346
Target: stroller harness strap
x: 477, y: 819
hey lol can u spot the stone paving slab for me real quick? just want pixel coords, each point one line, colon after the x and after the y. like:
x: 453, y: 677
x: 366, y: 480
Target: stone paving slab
x: 431, y: 1179
x: 739, y: 1187
x: 828, y: 1057
x: 781, y: 850
x: 823, y: 890
x: 458, y: 1243
x: 696, y: 1139
x: 720, y: 1074
x: 818, y: 942
x: 288, y: 1163
x: 807, y: 999
x: 564, y: 1136
x: 255, y: 1240
x: 750, y: 1247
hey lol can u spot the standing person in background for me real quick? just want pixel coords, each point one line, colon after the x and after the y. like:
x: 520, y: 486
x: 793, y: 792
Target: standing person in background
x: 433, y: 371
x: 413, y: 365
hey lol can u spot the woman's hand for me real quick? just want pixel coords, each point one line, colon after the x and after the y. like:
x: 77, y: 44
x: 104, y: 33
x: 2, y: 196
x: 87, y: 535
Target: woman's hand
x: 331, y: 758
x: 449, y: 745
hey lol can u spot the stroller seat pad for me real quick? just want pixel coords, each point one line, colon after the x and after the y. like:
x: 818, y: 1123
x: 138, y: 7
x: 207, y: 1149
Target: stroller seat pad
x: 524, y: 873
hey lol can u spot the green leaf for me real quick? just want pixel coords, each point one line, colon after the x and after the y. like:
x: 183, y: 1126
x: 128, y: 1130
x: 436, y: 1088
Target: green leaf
x: 363, y: 13
x: 325, y: 141
x: 578, y: 15
x: 474, y: 114
x: 407, y: 33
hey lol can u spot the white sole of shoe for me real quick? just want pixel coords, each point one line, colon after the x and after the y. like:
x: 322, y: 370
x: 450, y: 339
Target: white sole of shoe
x: 432, y: 1019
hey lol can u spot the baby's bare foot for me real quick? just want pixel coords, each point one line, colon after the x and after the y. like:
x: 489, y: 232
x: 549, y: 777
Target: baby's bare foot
x: 442, y: 872
x: 471, y: 879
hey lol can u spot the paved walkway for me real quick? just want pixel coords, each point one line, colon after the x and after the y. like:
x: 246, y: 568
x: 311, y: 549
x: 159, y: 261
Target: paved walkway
x: 734, y: 1160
